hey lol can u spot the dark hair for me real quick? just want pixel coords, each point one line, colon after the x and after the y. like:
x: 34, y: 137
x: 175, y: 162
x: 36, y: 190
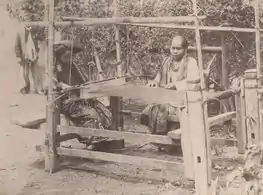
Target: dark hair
x: 184, y: 41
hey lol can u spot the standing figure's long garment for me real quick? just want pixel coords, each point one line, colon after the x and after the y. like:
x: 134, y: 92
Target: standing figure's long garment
x: 155, y: 115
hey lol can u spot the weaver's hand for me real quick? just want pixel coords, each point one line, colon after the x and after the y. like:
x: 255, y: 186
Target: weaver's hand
x: 170, y: 86
x: 19, y: 61
x: 152, y: 84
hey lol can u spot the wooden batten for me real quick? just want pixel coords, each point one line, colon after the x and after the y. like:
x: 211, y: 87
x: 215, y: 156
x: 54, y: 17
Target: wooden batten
x: 120, y: 158
x: 85, y: 91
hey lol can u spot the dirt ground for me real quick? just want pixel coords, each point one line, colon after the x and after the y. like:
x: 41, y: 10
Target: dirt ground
x: 22, y: 167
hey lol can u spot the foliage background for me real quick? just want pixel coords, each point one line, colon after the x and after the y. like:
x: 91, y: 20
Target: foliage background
x: 143, y: 48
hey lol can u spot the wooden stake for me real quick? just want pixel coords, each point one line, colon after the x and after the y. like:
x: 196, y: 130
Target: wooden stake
x: 198, y: 123
x: 51, y: 160
x: 252, y: 107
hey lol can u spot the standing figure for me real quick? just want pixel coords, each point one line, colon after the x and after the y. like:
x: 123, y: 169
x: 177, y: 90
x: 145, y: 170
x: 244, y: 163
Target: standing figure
x: 174, y: 73
x: 27, y: 56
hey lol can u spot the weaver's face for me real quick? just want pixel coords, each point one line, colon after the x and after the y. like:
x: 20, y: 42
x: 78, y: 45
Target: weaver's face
x: 176, y: 49
x: 65, y: 58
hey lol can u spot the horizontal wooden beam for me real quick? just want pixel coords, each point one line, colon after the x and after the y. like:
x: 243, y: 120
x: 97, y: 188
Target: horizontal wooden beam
x: 191, y: 27
x: 212, y: 121
x: 127, y: 136
x: 176, y: 134
x: 220, y: 95
x: 220, y: 119
x: 120, y: 158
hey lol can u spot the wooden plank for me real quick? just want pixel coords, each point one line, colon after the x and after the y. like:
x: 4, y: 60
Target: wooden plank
x: 129, y: 136
x: 220, y: 119
x: 119, y: 158
x: 199, y: 139
x: 214, y: 141
x: 144, y: 93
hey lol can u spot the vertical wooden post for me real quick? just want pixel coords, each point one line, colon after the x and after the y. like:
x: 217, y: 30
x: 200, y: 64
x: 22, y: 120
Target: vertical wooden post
x: 199, y: 131
x: 252, y: 107
x: 241, y: 127
x: 257, y: 26
x: 116, y: 102
x: 259, y: 66
x: 203, y: 85
x: 51, y: 160
x: 186, y: 144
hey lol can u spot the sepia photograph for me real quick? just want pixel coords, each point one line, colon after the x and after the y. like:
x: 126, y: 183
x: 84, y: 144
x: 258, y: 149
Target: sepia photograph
x: 131, y: 97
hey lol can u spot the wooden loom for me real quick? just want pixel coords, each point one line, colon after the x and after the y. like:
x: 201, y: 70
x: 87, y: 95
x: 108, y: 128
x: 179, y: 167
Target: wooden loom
x: 197, y: 156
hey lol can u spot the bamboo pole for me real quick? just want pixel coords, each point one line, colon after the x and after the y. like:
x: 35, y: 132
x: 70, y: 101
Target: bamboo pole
x: 201, y: 182
x: 51, y: 160
x: 259, y: 67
